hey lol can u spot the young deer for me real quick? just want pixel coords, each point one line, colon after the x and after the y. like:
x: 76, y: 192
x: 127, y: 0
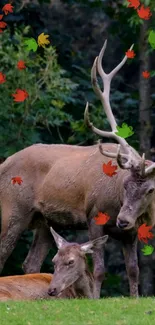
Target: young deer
x: 71, y: 278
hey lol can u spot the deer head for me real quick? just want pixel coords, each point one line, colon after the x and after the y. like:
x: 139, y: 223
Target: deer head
x: 139, y: 183
x: 70, y: 262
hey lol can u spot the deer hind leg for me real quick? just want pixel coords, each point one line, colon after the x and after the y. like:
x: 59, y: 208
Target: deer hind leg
x: 10, y: 233
x: 40, y: 247
x: 96, y: 231
x: 131, y: 262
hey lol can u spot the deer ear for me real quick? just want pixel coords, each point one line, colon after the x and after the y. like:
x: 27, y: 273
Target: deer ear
x: 60, y: 241
x: 98, y: 242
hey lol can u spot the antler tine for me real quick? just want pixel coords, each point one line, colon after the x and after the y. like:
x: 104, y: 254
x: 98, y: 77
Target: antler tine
x: 115, y: 70
x: 93, y: 128
x: 111, y: 154
x: 99, y: 93
x: 127, y: 165
x: 129, y: 154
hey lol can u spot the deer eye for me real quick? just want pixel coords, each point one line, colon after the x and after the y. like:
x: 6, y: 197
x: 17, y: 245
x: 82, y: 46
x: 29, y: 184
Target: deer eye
x: 150, y: 191
x: 71, y: 262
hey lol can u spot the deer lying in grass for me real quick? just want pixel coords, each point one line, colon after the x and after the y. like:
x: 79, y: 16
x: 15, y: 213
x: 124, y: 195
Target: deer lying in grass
x: 64, y: 185
x: 25, y: 287
x: 71, y: 278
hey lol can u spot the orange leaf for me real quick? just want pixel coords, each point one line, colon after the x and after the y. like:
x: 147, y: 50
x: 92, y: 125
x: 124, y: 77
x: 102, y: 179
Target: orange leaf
x: 133, y: 4
x: 130, y: 54
x: 17, y: 180
x: 101, y: 218
x: 2, y: 78
x: 144, y: 12
x: 21, y: 65
x: 144, y: 234
x: 3, y: 24
x: 1, y: 17
x: 108, y: 169
x: 146, y: 74
x: 20, y: 95
x: 8, y: 8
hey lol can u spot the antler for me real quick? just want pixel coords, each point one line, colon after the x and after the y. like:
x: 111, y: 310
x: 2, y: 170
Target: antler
x: 130, y: 158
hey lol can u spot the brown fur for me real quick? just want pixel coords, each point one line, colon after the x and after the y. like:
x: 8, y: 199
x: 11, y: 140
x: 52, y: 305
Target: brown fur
x: 25, y: 287
x: 71, y: 269
x: 66, y: 185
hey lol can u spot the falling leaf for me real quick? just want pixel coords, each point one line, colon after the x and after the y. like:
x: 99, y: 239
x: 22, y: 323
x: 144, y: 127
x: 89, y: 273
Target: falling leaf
x: 147, y: 250
x: 133, y: 4
x: 130, y: 54
x: 20, y: 95
x: 2, y: 78
x: 8, y: 8
x: 42, y: 40
x: 144, y: 234
x: 3, y: 24
x: 124, y: 131
x: 31, y: 44
x: 151, y: 38
x: 101, y: 218
x: 17, y: 180
x: 1, y: 17
x: 108, y: 169
x: 144, y: 12
x: 21, y: 65
x: 146, y: 74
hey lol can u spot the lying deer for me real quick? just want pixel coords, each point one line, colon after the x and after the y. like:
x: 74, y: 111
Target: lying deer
x: 25, y: 287
x: 64, y: 185
x: 71, y: 278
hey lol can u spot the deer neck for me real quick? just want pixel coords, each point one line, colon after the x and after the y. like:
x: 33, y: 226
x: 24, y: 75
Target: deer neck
x: 84, y: 286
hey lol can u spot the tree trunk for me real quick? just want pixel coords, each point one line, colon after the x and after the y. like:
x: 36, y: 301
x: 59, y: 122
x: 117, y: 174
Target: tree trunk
x: 144, y: 94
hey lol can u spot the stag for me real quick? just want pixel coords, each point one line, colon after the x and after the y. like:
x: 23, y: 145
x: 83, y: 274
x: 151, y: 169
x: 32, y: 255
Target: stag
x: 25, y: 287
x: 64, y: 186
x: 71, y: 269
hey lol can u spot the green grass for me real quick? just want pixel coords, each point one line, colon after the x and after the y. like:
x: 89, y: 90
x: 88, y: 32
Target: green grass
x: 111, y: 311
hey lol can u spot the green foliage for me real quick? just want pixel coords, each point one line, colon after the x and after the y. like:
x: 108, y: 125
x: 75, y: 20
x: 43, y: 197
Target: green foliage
x: 47, y: 85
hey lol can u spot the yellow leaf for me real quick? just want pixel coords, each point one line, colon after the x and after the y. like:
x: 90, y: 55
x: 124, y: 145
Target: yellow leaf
x: 42, y: 40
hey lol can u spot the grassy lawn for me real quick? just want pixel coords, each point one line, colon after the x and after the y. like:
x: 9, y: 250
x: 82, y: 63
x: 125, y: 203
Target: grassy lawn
x: 111, y: 311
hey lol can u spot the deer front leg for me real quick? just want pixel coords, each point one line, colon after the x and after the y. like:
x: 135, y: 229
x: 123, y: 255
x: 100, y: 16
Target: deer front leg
x: 10, y: 234
x: 131, y: 262
x: 40, y: 247
x: 96, y: 231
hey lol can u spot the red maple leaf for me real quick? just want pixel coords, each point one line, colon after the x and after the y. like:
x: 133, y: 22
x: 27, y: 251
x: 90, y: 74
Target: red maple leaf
x: 21, y: 65
x: 146, y: 74
x: 1, y: 16
x: 144, y: 234
x: 101, y: 218
x: 144, y: 12
x: 20, y: 95
x: 8, y: 8
x: 108, y: 169
x: 130, y: 54
x: 3, y: 24
x: 2, y: 78
x: 133, y: 4
x: 17, y: 180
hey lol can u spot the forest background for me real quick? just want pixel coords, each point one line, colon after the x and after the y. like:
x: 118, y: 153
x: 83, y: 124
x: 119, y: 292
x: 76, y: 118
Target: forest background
x: 58, y: 82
